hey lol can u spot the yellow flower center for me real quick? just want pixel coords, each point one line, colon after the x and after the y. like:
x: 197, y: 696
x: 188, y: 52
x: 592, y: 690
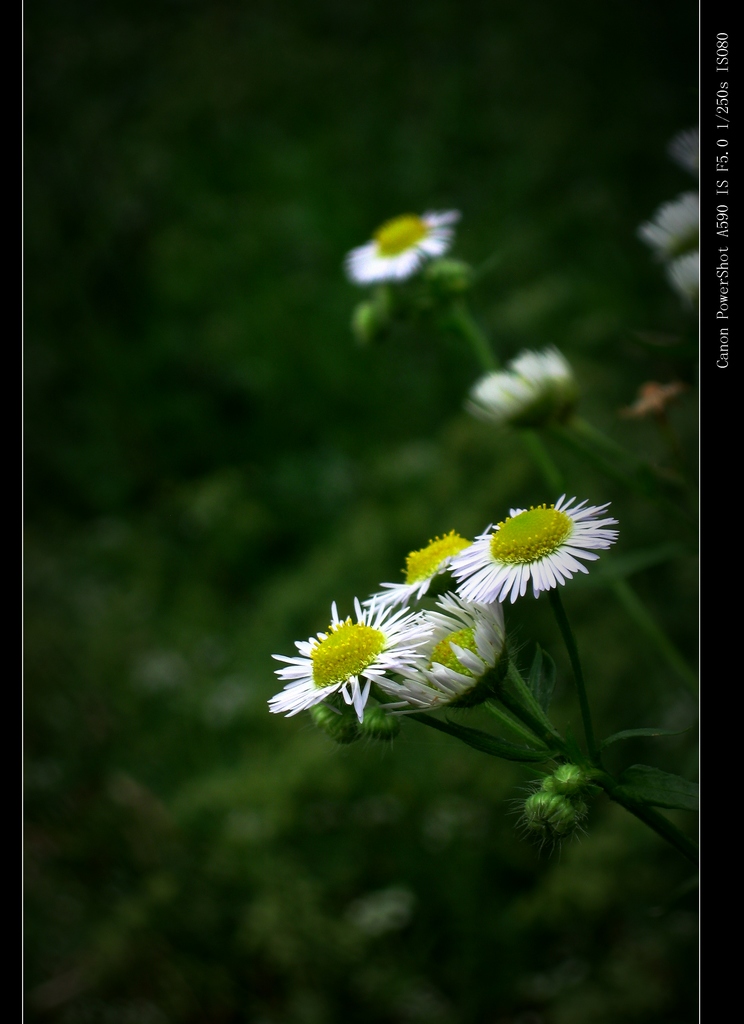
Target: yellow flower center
x: 399, y: 234
x: 347, y: 650
x: 421, y: 565
x: 444, y: 655
x: 531, y: 535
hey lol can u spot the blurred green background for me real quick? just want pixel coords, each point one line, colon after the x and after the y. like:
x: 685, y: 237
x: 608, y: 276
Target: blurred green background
x: 210, y: 461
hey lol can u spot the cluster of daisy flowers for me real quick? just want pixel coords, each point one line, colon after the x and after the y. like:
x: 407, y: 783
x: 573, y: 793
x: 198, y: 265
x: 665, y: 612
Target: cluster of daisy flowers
x: 419, y: 659
x: 673, y: 232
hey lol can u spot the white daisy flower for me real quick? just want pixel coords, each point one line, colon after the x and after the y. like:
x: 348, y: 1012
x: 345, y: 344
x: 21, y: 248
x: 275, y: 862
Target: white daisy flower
x: 684, y: 276
x: 684, y: 149
x: 535, y: 387
x: 540, y: 543
x: 422, y: 567
x: 674, y: 228
x: 467, y: 641
x: 349, y: 657
x: 400, y: 247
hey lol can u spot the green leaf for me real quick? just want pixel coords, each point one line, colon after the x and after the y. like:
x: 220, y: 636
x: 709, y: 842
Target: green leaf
x: 520, y: 700
x: 629, y: 734
x: 620, y: 566
x: 510, y: 722
x: 573, y: 750
x: 485, y: 742
x: 542, y: 678
x: 658, y: 789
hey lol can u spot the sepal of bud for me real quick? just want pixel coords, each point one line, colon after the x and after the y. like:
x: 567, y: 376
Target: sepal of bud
x: 340, y: 724
x: 449, y: 277
x: 566, y: 780
x: 371, y: 318
x: 552, y: 816
x: 379, y: 724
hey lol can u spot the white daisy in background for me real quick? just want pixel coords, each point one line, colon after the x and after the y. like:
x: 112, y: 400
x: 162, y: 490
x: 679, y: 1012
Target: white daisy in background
x: 467, y: 641
x: 684, y: 276
x: 400, y: 247
x: 674, y: 228
x: 542, y: 544
x: 684, y: 149
x: 349, y: 657
x: 535, y: 387
x: 422, y: 567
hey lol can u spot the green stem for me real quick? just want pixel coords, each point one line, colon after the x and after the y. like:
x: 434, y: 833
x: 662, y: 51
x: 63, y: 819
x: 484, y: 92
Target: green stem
x: 599, y: 439
x: 462, y: 322
x: 651, y: 817
x: 640, y: 615
x: 542, y: 459
x: 573, y: 655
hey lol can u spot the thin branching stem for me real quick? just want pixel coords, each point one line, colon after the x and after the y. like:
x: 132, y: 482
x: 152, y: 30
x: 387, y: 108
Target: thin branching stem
x: 463, y: 322
x: 573, y: 655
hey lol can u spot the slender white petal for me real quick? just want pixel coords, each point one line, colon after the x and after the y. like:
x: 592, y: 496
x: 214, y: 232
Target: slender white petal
x: 674, y: 228
x: 684, y: 149
x: 684, y: 276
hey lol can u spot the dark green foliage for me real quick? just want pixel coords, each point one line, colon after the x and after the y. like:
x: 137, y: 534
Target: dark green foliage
x: 542, y: 678
x: 660, y: 789
x: 631, y: 734
x: 211, y: 460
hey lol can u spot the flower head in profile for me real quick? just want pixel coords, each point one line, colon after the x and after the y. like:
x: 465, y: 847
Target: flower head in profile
x: 422, y: 567
x: 541, y: 544
x: 349, y: 657
x: 674, y: 229
x: 684, y: 149
x: 400, y: 246
x: 535, y: 388
x: 466, y: 643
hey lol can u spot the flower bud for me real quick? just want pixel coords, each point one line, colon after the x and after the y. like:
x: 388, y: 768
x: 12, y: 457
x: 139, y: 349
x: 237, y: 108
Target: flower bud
x: 567, y: 780
x: 341, y: 726
x: 552, y: 815
x: 449, y: 277
x: 371, y: 318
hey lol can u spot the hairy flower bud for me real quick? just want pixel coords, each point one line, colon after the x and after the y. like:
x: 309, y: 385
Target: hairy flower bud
x: 340, y: 725
x: 552, y: 816
x: 567, y: 780
x: 380, y: 724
